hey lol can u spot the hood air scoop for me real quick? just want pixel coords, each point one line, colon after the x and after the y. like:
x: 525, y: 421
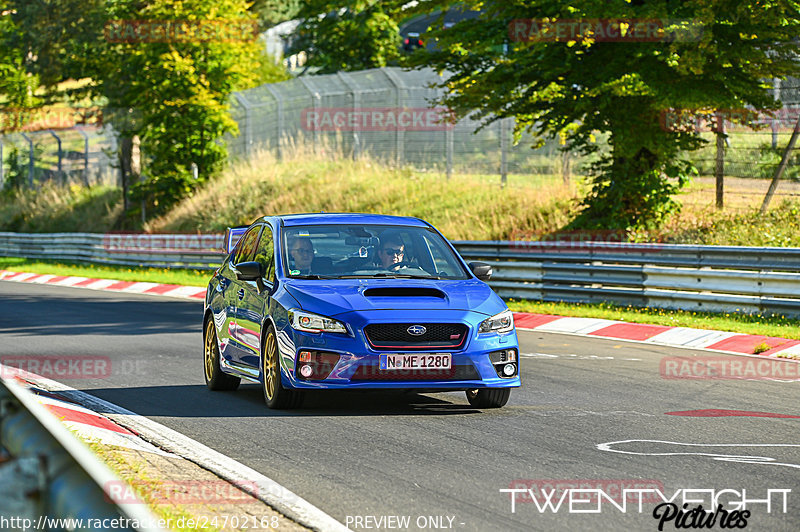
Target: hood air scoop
x: 403, y: 292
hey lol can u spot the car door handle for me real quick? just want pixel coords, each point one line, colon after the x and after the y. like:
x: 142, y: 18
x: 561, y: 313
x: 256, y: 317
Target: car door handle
x: 241, y: 293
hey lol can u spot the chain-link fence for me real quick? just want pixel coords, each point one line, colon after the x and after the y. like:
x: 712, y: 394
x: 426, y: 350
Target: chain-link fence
x: 360, y: 113
x: 80, y: 155
x: 388, y: 114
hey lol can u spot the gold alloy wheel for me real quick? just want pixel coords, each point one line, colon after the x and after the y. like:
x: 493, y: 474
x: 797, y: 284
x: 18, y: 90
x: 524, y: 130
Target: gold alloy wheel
x: 270, y: 367
x: 209, y: 350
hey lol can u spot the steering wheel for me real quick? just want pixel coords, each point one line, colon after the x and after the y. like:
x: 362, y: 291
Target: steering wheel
x: 397, y: 265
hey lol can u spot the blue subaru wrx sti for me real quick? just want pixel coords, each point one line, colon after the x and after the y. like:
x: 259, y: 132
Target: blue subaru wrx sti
x: 355, y: 301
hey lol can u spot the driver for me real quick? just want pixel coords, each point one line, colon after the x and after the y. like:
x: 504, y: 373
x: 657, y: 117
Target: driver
x: 391, y: 250
x: 301, y: 250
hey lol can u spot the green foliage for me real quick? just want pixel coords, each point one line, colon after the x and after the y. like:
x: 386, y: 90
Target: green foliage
x: 769, y: 158
x: 351, y: 35
x: 172, y: 93
x: 618, y: 88
x: 179, y: 92
x: 273, y: 12
x: 16, y: 173
x: 53, y: 208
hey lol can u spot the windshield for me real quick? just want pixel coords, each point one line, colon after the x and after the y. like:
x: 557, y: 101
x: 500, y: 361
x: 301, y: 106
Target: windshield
x: 366, y: 251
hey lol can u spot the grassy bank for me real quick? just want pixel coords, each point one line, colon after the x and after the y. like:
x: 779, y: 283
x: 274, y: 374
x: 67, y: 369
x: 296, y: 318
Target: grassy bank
x: 463, y: 207
x: 61, y: 209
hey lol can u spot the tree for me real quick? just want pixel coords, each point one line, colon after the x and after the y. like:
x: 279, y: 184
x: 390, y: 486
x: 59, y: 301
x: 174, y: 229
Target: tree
x: 273, y: 12
x: 715, y: 54
x: 352, y: 35
x: 173, y: 91
x: 163, y: 70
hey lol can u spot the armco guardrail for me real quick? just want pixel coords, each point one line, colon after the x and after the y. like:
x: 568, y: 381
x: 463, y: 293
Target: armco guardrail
x: 717, y: 278
x: 126, y: 249
x: 51, y: 477
x: 714, y: 278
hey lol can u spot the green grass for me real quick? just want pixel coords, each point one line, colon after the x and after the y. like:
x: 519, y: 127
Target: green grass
x: 53, y: 208
x: 120, y: 273
x: 463, y: 207
x: 777, y: 326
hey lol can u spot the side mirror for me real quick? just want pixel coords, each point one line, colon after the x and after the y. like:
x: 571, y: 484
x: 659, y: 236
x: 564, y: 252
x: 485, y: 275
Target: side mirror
x: 249, y: 271
x: 481, y: 270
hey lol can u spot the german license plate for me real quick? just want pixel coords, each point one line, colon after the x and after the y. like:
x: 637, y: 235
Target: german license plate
x: 408, y: 361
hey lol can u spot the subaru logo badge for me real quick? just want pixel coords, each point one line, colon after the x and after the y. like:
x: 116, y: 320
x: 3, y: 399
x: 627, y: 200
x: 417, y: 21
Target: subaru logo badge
x: 416, y: 330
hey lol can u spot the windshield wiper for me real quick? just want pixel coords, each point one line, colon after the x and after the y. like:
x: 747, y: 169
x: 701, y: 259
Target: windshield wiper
x: 388, y: 276
x: 314, y: 276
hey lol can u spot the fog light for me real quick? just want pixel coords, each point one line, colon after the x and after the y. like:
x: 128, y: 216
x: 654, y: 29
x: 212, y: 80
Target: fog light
x: 305, y: 356
x: 306, y: 371
x: 509, y: 370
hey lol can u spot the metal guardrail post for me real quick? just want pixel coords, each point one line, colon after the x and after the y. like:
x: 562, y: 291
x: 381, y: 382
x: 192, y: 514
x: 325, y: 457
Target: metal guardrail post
x: 399, y: 133
x: 448, y: 141
x: 72, y: 482
x: 60, y: 152
x: 315, y: 98
x: 85, y: 155
x: 355, y: 96
x: 248, y: 122
x: 504, y: 151
x: 279, y: 103
x: 30, y: 158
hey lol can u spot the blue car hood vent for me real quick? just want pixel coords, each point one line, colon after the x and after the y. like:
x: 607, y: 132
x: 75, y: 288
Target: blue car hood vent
x: 391, y: 291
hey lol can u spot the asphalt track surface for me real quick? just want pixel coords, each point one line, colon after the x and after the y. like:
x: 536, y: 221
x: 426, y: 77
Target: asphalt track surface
x: 371, y: 456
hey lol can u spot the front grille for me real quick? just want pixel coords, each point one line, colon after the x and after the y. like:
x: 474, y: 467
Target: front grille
x: 455, y: 373
x: 396, y: 336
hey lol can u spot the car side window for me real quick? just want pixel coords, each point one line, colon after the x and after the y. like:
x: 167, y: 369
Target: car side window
x: 246, y: 249
x: 265, y: 254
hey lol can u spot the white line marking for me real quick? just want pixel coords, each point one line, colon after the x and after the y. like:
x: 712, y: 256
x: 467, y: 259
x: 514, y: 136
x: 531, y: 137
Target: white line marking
x: 744, y: 459
x: 100, y: 284
x: 42, y: 279
x: 140, y: 287
x: 249, y: 480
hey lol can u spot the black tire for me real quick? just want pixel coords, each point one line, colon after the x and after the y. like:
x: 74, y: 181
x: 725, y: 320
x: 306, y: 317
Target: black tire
x: 488, y: 397
x: 215, y: 378
x: 275, y: 395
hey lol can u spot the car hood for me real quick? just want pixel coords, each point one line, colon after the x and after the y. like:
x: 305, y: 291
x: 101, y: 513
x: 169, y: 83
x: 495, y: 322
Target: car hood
x: 332, y: 297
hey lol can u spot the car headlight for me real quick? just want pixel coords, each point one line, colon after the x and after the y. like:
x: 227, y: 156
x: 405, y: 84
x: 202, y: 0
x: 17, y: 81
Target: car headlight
x: 310, y: 322
x: 499, y: 323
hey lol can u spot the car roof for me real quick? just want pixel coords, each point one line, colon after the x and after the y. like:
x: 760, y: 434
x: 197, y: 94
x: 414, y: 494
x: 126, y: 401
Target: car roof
x: 329, y: 218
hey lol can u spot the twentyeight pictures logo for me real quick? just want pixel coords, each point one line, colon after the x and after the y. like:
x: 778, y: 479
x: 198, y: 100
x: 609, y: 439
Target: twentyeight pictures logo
x: 682, y: 508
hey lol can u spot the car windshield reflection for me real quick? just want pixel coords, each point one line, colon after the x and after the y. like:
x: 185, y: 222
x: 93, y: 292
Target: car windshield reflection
x: 340, y: 251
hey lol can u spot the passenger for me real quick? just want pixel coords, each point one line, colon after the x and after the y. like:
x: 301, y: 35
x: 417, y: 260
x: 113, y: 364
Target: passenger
x: 391, y: 250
